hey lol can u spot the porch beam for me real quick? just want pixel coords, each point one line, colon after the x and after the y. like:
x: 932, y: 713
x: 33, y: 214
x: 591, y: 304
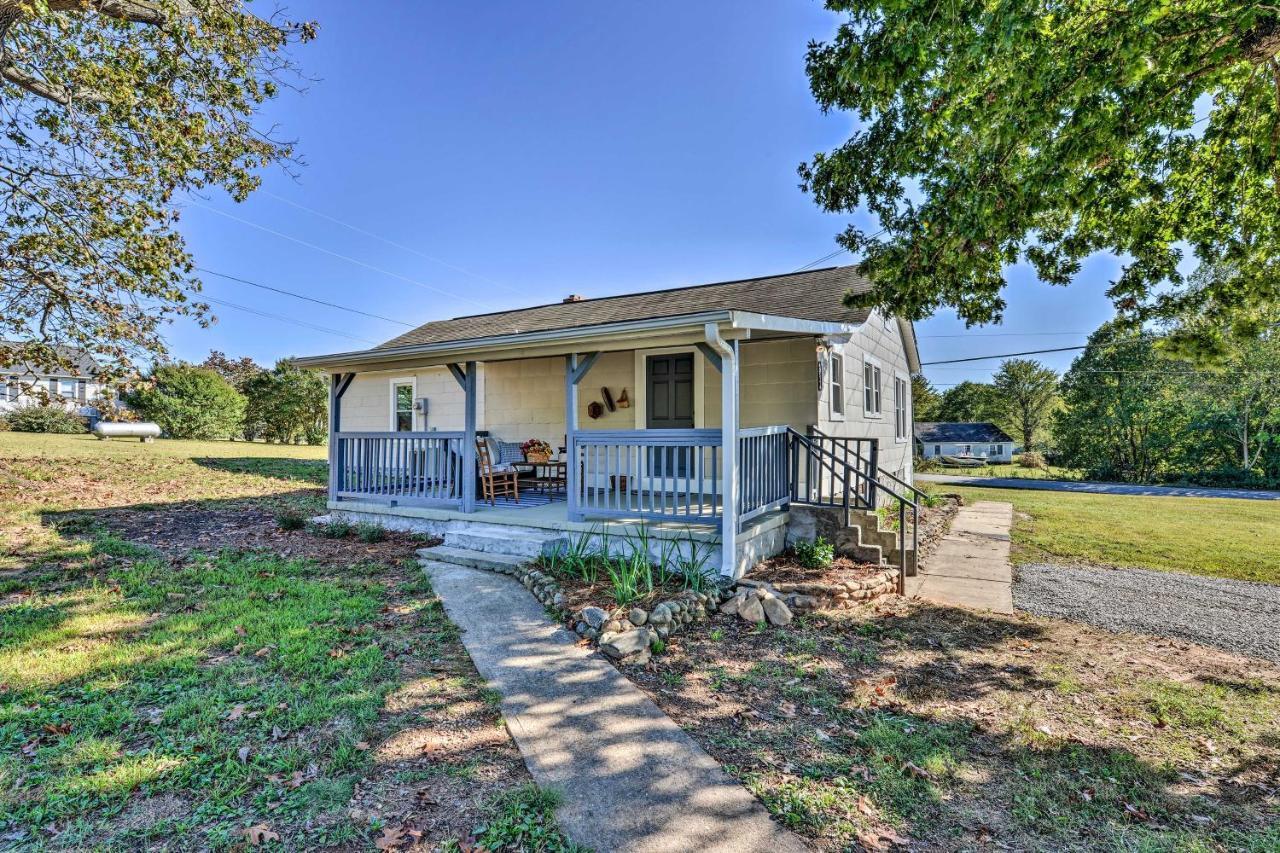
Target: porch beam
x: 469, y: 439
x: 338, y: 385
x: 580, y: 370
x: 712, y: 355
x: 573, y: 374
x: 459, y: 374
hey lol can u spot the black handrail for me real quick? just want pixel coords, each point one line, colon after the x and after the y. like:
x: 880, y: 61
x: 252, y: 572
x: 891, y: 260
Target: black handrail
x: 830, y: 460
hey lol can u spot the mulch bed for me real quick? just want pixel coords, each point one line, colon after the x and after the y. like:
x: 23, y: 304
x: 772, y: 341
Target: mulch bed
x: 786, y: 569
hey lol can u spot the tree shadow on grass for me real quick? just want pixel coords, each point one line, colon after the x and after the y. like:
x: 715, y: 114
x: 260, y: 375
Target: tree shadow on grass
x: 314, y: 472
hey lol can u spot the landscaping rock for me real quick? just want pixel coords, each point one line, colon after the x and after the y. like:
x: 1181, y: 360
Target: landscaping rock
x: 730, y: 607
x: 777, y: 612
x: 751, y: 610
x: 621, y: 645
x: 594, y: 617
x: 637, y: 616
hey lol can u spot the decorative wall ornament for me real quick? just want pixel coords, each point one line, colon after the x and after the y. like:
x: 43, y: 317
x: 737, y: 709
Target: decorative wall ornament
x: 608, y: 400
x: 595, y: 410
x: 624, y: 402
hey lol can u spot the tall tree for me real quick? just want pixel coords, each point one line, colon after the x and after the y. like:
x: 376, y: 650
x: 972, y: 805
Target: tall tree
x: 109, y: 111
x: 925, y: 399
x: 1027, y: 392
x: 969, y: 401
x: 996, y: 132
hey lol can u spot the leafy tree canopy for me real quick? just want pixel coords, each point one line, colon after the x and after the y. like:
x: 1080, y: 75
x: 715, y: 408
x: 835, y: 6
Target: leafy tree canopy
x: 1027, y: 393
x: 925, y: 399
x: 108, y: 110
x: 189, y: 402
x: 287, y: 405
x: 992, y: 133
x: 969, y: 401
x: 236, y: 371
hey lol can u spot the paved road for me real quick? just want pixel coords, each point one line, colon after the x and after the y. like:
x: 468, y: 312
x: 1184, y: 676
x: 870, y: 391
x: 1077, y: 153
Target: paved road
x: 1098, y: 488
x: 1237, y: 616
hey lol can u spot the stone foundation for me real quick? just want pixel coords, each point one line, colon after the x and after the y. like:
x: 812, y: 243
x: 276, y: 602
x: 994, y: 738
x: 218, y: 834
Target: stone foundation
x: 805, y: 597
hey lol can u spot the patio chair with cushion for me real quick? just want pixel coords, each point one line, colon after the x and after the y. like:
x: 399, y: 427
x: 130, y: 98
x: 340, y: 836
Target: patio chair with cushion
x: 496, y: 479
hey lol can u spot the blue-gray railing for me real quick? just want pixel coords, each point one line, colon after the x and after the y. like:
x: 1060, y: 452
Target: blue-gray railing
x: 668, y: 474
x: 409, y: 468
x: 764, y: 471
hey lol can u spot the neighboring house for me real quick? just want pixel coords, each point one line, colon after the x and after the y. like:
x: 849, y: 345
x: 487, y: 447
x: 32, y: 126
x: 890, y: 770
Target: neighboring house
x: 662, y: 403
x: 73, y: 389
x: 969, y: 440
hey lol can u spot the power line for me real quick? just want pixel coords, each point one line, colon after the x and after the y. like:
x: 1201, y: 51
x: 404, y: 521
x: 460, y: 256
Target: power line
x: 380, y: 238
x: 820, y: 260
x: 1001, y: 355
x: 303, y: 296
x: 339, y: 255
x: 1007, y: 335
x: 283, y: 319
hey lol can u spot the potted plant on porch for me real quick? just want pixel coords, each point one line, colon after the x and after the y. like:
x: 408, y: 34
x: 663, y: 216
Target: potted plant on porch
x: 536, y: 451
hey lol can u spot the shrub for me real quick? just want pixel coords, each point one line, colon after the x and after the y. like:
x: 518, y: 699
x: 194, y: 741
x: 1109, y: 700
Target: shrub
x: 290, y: 519
x: 190, y: 402
x: 335, y: 529
x: 924, y: 465
x: 1032, y: 459
x: 817, y: 554
x: 4, y: 425
x: 370, y: 532
x: 287, y: 405
x: 46, y: 418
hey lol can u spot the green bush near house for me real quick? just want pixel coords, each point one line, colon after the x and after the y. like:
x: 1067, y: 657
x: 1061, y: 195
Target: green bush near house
x: 817, y: 554
x: 45, y: 418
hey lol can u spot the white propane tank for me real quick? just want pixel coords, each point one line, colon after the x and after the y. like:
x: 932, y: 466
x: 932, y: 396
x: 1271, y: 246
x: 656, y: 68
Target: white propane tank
x: 141, y: 430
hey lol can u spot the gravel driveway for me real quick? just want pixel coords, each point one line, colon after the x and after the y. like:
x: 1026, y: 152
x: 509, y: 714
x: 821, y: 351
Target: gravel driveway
x: 1237, y: 616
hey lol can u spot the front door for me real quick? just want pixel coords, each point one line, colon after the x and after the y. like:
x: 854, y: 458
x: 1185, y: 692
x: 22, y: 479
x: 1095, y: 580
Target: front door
x: 670, y: 404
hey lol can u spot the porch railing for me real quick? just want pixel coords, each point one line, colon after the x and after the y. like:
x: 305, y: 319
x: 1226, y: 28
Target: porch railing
x: 764, y: 471
x: 668, y: 474
x: 411, y: 468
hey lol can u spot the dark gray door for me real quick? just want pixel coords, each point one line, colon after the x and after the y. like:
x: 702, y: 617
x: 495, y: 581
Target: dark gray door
x: 670, y: 402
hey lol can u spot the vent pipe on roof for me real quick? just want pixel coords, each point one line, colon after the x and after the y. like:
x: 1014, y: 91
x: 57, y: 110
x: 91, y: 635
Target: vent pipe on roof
x: 573, y: 297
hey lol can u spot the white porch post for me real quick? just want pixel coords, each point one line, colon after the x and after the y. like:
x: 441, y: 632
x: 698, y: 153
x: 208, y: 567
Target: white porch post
x: 469, y: 441
x: 729, y: 458
x: 570, y: 431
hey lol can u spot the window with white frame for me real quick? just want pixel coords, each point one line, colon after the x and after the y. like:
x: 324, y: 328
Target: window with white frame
x: 900, y: 420
x: 997, y: 450
x: 871, y: 393
x: 67, y: 389
x: 402, y: 405
x: 837, y: 385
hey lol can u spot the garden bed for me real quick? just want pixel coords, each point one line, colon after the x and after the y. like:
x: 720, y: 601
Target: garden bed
x: 804, y: 588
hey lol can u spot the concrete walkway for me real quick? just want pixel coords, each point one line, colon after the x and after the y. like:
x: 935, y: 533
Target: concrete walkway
x: 970, y: 567
x: 630, y: 778
x: 1099, y: 488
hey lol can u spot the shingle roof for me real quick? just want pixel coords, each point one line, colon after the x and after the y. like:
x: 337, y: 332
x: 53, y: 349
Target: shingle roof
x: 811, y: 295
x: 81, y: 360
x: 977, y: 433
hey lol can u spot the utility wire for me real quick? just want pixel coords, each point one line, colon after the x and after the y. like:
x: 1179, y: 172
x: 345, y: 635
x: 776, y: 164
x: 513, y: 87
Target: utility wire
x: 303, y: 296
x: 1001, y: 355
x: 283, y: 319
x: 380, y: 238
x: 339, y: 255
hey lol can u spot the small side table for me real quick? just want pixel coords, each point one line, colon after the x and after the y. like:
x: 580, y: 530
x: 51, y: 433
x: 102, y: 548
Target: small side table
x: 549, y: 476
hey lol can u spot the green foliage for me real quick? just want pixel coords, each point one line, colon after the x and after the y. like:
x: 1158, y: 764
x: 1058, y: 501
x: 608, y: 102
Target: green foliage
x: 925, y: 400
x: 337, y: 528
x: 524, y: 820
x: 287, y: 404
x: 817, y: 554
x: 994, y: 133
x: 189, y: 402
x: 370, y: 532
x: 968, y: 402
x: 290, y: 519
x: 1032, y: 459
x: 113, y: 110
x: 48, y: 418
x: 1027, y: 395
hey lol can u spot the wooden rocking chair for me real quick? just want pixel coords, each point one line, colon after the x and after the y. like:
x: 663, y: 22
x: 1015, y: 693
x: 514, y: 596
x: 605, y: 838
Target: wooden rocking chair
x: 494, y: 483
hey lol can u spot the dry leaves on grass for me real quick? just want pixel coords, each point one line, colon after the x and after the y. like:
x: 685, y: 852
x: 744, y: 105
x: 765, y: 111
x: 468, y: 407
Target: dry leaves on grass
x: 259, y: 834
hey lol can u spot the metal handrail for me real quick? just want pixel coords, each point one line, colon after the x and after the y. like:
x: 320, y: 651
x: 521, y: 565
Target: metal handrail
x: 903, y: 502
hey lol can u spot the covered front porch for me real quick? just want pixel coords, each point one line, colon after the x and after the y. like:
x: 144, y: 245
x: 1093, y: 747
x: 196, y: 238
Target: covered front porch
x: 717, y: 483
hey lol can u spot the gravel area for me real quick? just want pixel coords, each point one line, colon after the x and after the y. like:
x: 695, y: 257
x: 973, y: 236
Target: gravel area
x: 1237, y: 616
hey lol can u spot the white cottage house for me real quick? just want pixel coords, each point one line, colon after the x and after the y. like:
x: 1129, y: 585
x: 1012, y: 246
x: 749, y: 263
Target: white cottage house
x: 72, y: 388
x: 975, y: 440
x: 706, y: 413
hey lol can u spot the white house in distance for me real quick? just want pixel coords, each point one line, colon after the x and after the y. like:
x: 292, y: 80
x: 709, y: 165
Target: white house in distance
x: 72, y: 389
x: 964, y: 440
x: 703, y: 412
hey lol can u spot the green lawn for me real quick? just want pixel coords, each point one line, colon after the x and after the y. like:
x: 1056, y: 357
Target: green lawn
x: 1205, y: 536
x: 1011, y: 470
x: 240, y: 686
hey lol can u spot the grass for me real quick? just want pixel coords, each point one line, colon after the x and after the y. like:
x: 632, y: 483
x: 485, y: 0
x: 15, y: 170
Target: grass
x: 309, y: 688
x: 1218, y: 537
x: 1012, y: 470
x: 939, y: 729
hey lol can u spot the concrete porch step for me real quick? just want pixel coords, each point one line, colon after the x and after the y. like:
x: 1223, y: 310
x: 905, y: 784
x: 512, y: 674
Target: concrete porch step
x: 472, y: 559
x: 504, y: 540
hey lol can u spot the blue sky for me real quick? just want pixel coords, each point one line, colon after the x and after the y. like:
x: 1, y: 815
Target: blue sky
x: 514, y: 153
